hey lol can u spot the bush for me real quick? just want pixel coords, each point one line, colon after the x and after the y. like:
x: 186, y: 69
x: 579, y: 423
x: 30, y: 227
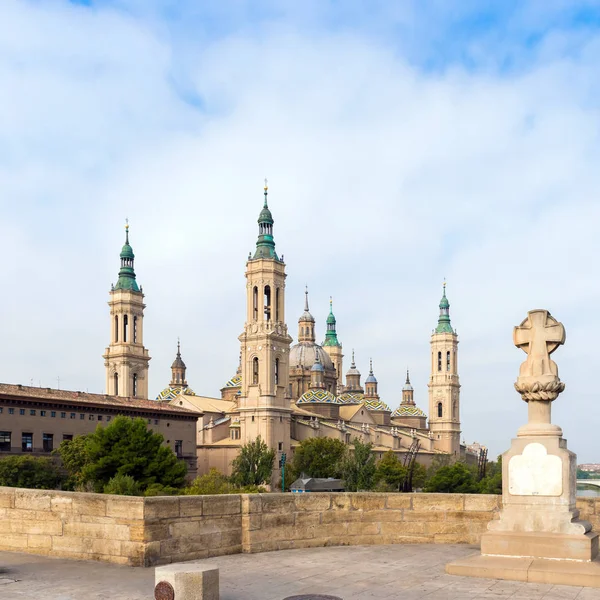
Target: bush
x: 32, y: 472
x: 389, y: 473
x: 254, y: 464
x: 453, y: 479
x: 212, y: 483
x: 319, y: 457
x: 124, y: 485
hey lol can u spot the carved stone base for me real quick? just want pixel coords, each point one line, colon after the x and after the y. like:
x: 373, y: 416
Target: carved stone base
x: 532, y: 570
x: 540, y: 545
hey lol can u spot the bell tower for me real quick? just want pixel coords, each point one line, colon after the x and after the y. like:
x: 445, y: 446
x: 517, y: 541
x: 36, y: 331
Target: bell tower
x: 126, y: 360
x: 333, y: 347
x: 265, y: 345
x: 444, y: 386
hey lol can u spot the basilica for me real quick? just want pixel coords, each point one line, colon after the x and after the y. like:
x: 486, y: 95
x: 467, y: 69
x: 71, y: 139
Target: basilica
x: 287, y: 392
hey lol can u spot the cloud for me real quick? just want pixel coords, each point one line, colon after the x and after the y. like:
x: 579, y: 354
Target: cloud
x: 388, y: 172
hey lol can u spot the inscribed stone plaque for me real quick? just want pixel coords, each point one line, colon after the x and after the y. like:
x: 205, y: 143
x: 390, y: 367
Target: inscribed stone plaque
x: 535, y: 473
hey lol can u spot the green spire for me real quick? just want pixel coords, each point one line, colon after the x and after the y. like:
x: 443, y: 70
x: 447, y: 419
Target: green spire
x: 126, y: 279
x: 331, y: 338
x: 444, y: 320
x: 265, y: 245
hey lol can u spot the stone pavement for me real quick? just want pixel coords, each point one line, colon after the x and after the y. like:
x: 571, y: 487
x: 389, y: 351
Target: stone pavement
x: 406, y: 572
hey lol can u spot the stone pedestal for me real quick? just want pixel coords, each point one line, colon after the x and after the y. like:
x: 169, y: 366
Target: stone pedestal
x: 187, y: 581
x: 539, y: 536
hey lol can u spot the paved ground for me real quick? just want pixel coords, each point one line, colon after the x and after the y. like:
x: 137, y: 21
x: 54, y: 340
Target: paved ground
x: 351, y: 573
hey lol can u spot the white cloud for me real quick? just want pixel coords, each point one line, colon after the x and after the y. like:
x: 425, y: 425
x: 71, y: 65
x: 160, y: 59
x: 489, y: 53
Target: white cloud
x: 383, y: 181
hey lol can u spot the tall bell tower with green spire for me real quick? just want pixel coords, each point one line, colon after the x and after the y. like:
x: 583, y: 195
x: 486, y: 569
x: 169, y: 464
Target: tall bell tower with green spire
x: 126, y: 359
x: 444, y: 385
x: 333, y: 347
x: 265, y: 345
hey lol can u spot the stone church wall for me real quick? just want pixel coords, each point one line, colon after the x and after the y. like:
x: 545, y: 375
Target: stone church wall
x: 151, y: 531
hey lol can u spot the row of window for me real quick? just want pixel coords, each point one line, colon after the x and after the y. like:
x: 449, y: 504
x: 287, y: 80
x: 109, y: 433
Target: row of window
x: 266, y: 302
x: 134, y: 385
x: 48, y: 442
x: 125, y: 328
x: 255, y: 371
x: 52, y: 414
x: 447, y: 361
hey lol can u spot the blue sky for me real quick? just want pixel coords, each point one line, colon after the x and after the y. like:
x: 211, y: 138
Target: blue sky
x: 404, y: 142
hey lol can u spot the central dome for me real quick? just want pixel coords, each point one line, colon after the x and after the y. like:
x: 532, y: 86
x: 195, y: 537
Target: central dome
x: 304, y: 354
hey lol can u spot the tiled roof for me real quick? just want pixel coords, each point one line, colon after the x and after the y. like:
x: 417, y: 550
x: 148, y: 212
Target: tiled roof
x: 48, y: 394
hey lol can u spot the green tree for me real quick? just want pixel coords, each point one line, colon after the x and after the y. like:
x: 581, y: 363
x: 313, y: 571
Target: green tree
x: 319, y: 457
x: 358, y: 468
x: 390, y: 472
x: 254, y: 464
x: 32, y: 472
x: 419, y: 476
x: 212, y: 483
x: 453, y: 479
x: 125, y: 447
x: 124, y: 485
x: 492, y: 482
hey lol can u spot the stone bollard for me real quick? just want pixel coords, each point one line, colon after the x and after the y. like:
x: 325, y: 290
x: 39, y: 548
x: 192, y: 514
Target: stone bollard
x: 186, y: 581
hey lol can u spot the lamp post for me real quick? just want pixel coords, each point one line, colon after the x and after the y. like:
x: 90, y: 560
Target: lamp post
x: 282, y: 467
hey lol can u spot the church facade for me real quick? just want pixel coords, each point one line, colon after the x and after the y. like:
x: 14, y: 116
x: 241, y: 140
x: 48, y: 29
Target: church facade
x: 288, y: 392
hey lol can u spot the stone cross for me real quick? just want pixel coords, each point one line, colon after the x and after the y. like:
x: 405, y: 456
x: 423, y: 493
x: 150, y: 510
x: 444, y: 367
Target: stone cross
x: 538, y: 336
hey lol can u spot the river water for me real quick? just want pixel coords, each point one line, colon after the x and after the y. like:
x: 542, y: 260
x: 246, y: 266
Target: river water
x: 588, y: 491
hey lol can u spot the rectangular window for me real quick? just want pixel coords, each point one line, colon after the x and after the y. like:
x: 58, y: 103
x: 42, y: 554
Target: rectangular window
x: 48, y: 442
x: 99, y: 417
x: 11, y: 411
x: 4, y: 441
x: 149, y: 421
x: 91, y: 417
x: 72, y: 416
x: 179, y: 448
x: 42, y: 413
x: 21, y: 411
x: 108, y: 419
x: 53, y: 413
x: 32, y: 413
x: 63, y: 415
x: 280, y: 446
x: 27, y: 442
x: 1, y: 410
x: 67, y: 437
x: 156, y: 421
x: 81, y: 417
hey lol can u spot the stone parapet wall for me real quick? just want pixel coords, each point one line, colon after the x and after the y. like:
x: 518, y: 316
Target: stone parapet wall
x: 151, y: 531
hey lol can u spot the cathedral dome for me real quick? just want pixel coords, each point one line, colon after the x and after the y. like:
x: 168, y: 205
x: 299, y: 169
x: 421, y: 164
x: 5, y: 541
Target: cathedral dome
x: 318, y: 397
x: 408, y: 410
x: 304, y: 354
x: 376, y: 404
x: 171, y: 392
x: 178, y: 362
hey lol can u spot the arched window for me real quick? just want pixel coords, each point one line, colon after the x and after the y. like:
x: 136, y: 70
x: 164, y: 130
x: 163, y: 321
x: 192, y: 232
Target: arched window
x: 439, y: 361
x: 134, y: 385
x: 277, y: 304
x: 134, y: 330
x: 448, y: 360
x: 255, y: 371
x: 267, y: 303
x: 440, y: 410
x: 116, y: 328
x: 116, y: 378
x: 255, y: 303
x: 276, y: 371
x: 125, y: 323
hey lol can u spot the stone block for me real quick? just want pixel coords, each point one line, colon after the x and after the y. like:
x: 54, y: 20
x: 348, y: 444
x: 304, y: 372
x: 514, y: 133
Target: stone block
x: 278, y: 503
x: 471, y: 516
x: 222, y: 505
x: 368, y: 501
x: 341, y: 501
x: 39, y: 542
x: 438, y: 502
x: 341, y: 516
x: 312, y: 502
x: 61, y: 504
x: 161, y: 507
x: 13, y: 542
x: 71, y: 544
x: 395, y: 501
x: 7, y: 497
x: 403, y: 528
x: 190, y: 506
x: 251, y: 503
x: 96, y: 531
x: 381, y: 516
x: 251, y: 522
x: 89, y: 504
x: 33, y: 499
x: 277, y: 520
x: 124, y: 507
x: 587, y: 506
x: 483, y: 502
x: 362, y: 529
x: 419, y: 515
x: 307, y: 518
x: 190, y: 581
x: 36, y: 527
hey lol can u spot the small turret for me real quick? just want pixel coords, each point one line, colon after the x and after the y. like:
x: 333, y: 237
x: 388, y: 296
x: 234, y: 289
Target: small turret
x: 178, y: 369
x: 306, y: 323
x: 126, y: 279
x: 353, y: 377
x: 444, y: 325
x: 265, y: 245
x: 371, y: 382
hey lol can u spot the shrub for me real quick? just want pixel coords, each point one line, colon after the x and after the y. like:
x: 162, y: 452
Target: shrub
x: 32, y: 472
x: 358, y: 468
x: 453, y: 479
x: 124, y: 485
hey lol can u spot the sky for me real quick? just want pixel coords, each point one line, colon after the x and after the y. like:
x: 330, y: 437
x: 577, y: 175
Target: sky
x: 404, y: 142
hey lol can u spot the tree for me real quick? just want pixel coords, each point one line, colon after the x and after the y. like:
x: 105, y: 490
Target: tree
x: 319, y: 457
x: 254, y: 464
x: 32, y: 472
x: 390, y: 471
x: 212, y: 483
x: 419, y: 476
x: 453, y: 479
x: 125, y: 447
x: 124, y: 485
x: 492, y: 482
x: 358, y: 468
